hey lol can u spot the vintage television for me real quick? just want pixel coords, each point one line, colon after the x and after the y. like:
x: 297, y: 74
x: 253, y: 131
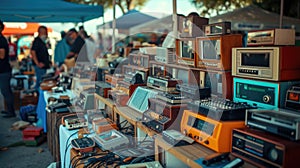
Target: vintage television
x: 267, y: 63
x: 186, y: 52
x: 215, y: 52
x: 219, y: 28
x: 186, y: 74
x: 157, y: 68
x: 220, y: 82
x: 191, y: 25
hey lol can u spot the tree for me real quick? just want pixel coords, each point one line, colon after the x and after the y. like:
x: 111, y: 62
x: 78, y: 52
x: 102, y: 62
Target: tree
x: 212, y: 7
x: 124, y: 5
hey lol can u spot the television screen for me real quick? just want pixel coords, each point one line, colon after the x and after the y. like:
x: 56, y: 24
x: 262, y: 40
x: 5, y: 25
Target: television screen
x: 187, y: 49
x: 210, y: 49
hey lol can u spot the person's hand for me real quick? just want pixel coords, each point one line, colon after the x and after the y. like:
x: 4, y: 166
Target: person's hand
x: 41, y: 65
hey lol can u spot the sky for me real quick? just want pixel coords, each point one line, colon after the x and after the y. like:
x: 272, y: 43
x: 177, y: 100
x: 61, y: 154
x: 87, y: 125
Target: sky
x: 156, y: 8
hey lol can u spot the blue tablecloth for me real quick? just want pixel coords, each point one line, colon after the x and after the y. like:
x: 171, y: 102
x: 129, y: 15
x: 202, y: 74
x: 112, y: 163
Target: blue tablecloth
x: 42, y: 103
x: 65, y: 149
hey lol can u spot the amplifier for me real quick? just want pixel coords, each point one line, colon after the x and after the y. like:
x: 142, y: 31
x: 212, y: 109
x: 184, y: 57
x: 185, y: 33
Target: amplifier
x: 280, y: 122
x: 176, y: 138
x: 193, y: 91
x: 111, y: 139
x: 219, y: 109
x: 292, y: 100
x: 271, y: 37
x: 86, y: 99
x: 128, y: 88
x: 261, y: 94
x: 267, y: 63
x: 219, y: 28
x: 220, y: 83
x: 172, y: 98
x: 163, y: 84
x: 103, y: 124
x: 119, y: 97
x: 162, y: 115
x: 113, y: 79
x: 75, y: 122
x: 263, y: 149
x: 102, y: 88
x: 215, y: 52
x: 213, y: 134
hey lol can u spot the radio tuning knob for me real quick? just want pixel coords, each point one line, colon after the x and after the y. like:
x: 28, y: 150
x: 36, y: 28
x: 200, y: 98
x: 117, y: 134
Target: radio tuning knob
x: 266, y: 98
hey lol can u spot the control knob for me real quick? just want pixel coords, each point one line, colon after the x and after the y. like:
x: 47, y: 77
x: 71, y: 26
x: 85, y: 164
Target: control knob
x: 266, y: 98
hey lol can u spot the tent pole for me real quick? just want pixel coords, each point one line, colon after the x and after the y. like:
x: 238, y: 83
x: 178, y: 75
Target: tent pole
x: 281, y: 13
x: 175, y: 16
x: 113, y: 27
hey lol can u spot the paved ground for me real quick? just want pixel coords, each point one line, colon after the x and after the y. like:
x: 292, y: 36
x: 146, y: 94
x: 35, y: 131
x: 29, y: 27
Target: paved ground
x: 20, y: 156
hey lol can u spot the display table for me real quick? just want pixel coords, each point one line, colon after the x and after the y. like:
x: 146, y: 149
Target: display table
x: 42, y: 103
x: 65, y: 138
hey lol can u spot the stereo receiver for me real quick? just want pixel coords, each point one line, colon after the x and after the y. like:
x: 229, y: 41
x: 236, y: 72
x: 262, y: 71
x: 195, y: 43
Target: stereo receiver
x: 162, y: 115
x: 292, y: 100
x: 215, y: 52
x: 162, y: 83
x: 271, y: 37
x: 219, y: 109
x: 213, y: 134
x: 280, y: 122
x: 267, y: 63
x: 263, y: 149
x: 220, y: 28
x: 261, y: 94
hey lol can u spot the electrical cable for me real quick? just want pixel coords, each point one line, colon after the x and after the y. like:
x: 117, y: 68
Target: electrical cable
x: 67, y: 146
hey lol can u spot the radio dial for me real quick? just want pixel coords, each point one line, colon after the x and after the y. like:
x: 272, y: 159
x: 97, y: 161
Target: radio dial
x: 239, y: 143
x: 273, y: 154
x: 266, y: 98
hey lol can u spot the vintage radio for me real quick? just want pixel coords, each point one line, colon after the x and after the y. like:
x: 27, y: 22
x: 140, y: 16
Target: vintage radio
x: 113, y: 79
x: 191, y: 26
x: 215, y: 52
x: 139, y: 99
x: 281, y: 122
x: 75, y: 122
x: 86, y: 99
x: 292, y: 100
x: 162, y: 83
x: 220, y: 83
x: 186, y: 52
x: 264, y: 150
x: 261, y: 94
x: 220, y: 28
x: 103, y: 124
x: 128, y: 88
x: 188, y: 75
x: 271, y: 37
x: 219, y: 109
x: 172, y: 98
x: 102, y: 88
x: 111, y: 140
x: 162, y: 115
x: 83, y: 145
x: 267, y: 63
x: 118, y: 96
x: 193, y: 91
x: 140, y: 60
x: 213, y: 134
x: 165, y: 55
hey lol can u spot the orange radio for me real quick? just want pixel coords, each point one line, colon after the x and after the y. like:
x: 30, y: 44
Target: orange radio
x: 213, y: 134
x: 215, y: 52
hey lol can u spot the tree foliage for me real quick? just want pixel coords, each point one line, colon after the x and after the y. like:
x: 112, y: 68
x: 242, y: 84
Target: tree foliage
x: 124, y: 5
x: 212, y: 7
